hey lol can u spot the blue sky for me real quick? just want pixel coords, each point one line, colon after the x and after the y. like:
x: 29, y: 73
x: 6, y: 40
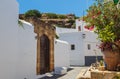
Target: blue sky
x: 56, y: 6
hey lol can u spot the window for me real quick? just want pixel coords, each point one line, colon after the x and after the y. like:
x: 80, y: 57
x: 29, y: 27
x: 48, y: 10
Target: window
x: 72, y: 47
x: 83, y: 35
x: 88, y: 46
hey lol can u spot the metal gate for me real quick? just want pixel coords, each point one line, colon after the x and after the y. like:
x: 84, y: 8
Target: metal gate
x: 91, y: 59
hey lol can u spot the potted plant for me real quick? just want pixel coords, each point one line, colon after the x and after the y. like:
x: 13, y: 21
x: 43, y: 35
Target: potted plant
x: 105, y: 16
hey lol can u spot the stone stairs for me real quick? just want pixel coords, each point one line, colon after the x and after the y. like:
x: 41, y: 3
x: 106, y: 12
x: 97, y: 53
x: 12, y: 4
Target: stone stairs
x: 84, y: 74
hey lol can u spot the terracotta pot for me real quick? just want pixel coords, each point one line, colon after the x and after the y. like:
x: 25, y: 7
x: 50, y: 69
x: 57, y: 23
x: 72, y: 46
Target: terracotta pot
x: 111, y: 59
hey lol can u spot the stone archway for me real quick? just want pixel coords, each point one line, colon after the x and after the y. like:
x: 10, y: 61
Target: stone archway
x: 44, y: 54
x: 45, y: 46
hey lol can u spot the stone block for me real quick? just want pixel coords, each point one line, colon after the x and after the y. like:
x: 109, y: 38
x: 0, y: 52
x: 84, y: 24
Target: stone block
x: 103, y: 74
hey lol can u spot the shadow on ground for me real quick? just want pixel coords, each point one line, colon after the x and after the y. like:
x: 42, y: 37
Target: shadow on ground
x: 55, y: 76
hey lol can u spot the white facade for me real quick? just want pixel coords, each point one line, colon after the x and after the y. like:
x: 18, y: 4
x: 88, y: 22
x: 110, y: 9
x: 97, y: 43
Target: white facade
x: 77, y: 55
x: 26, y: 52
x: 91, y: 38
x: 84, y: 43
x: 8, y: 39
x: 18, y: 45
x: 64, y: 30
x: 81, y: 24
x: 61, y: 54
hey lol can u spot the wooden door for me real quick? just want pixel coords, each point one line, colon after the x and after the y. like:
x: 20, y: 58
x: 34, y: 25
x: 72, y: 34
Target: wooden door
x: 44, y: 54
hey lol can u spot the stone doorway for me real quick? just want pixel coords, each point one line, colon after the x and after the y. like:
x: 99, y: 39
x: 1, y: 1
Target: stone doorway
x: 44, y: 54
x: 45, y: 31
x: 45, y: 46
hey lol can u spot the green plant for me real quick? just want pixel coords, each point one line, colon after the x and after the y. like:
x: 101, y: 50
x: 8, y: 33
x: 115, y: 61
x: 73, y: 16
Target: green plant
x: 20, y: 24
x: 101, y: 63
x: 116, y: 2
x: 32, y: 13
x: 56, y: 36
x: 105, y: 16
x: 51, y: 15
x: 62, y: 16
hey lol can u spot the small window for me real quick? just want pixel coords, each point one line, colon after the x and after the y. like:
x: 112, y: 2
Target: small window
x: 83, y: 35
x: 88, y: 46
x: 72, y: 47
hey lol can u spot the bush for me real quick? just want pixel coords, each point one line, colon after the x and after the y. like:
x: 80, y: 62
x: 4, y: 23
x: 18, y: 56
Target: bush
x: 51, y: 15
x: 33, y: 13
x: 62, y: 16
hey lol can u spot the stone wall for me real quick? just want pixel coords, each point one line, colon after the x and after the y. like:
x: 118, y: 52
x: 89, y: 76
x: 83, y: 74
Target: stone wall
x: 104, y: 74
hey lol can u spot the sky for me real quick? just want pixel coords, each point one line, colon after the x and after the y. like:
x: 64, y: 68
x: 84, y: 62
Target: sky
x: 77, y: 7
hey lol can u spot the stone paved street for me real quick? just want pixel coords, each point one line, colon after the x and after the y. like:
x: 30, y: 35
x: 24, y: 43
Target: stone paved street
x: 71, y: 74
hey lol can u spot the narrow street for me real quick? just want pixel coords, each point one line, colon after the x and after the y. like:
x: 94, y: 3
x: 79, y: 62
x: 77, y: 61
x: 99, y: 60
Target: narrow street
x: 71, y: 74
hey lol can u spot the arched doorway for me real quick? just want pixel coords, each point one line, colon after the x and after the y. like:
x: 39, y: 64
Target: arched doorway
x: 44, y: 54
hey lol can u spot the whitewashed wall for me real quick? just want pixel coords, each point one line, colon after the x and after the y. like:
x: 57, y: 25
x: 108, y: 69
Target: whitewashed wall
x: 27, y: 52
x: 61, y: 54
x: 77, y: 55
x: 64, y: 30
x: 81, y: 24
x: 91, y: 38
x: 8, y: 38
x: 17, y: 45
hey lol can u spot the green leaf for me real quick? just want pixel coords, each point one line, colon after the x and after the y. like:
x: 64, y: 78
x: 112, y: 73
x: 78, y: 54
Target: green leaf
x: 20, y: 24
x: 115, y: 1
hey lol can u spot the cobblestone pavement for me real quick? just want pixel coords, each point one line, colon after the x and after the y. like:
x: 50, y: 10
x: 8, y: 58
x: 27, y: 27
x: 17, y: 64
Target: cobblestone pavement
x: 71, y: 74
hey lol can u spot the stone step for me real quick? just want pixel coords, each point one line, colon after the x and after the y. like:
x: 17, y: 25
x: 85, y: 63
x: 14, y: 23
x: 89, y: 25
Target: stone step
x: 84, y: 74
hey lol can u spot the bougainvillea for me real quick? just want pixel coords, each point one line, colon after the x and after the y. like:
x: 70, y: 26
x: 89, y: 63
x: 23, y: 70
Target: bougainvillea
x: 105, y: 16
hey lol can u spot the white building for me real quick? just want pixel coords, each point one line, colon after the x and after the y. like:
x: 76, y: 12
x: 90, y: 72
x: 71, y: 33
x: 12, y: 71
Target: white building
x: 18, y: 46
x: 83, y: 44
x: 27, y: 52
x: 8, y: 39
x: 61, y: 54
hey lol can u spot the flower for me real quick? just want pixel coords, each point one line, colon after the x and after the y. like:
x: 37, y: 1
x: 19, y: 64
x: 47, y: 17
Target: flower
x: 106, y: 19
